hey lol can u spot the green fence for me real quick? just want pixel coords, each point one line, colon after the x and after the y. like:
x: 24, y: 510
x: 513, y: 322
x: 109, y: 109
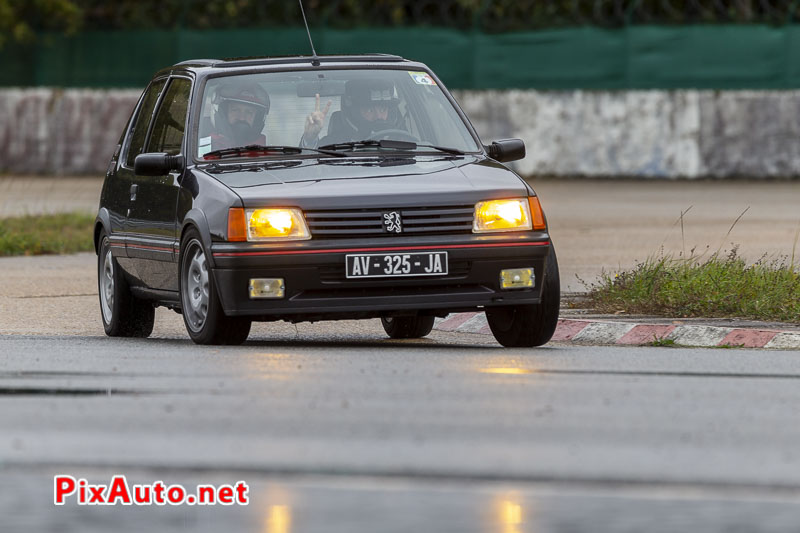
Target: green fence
x: 632, y: 57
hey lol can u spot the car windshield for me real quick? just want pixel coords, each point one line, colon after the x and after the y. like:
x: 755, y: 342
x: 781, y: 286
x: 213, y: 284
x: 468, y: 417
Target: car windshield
x: 328, y: 108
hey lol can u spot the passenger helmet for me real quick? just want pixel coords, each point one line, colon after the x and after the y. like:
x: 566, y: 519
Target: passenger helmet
x: 360, y: 93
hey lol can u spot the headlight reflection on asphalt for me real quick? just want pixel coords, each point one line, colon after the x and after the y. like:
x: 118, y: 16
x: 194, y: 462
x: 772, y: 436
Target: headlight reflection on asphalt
x: 279, y: 519
x: 273, y: 356
x: 510, y: 515
x: 507, y: 370
x: 275, y: 366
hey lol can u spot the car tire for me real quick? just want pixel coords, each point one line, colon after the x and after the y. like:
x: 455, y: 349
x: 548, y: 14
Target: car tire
x: 123, y: 314
x: 407, y: 327
x: 530, y: 325
x: 202, y: 311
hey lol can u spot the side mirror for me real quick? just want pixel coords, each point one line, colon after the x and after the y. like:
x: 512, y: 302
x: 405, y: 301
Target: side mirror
x: 506, y: 150
x: 156, y: 164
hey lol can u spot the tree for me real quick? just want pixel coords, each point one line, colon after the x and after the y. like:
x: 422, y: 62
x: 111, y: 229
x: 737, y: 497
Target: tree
x: 21, y: 19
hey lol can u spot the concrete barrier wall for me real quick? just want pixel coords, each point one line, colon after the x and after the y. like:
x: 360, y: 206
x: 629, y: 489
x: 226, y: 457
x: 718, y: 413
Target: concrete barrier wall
x: 663, y: 134
x: 649, y: 134
x: 52, y: 131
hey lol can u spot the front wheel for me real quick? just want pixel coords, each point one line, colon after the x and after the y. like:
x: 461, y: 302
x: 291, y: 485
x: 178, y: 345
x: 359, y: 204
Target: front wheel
x: 407, y: 327
x: 203, y: 315
x: 529, y: 325
x: 122, y: 313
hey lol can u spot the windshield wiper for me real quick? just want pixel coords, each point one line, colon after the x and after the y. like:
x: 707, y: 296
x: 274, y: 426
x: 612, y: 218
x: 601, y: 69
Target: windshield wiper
x: 444, y: 149
x: 254, y: 150
x: 355, y: 144
x: 388, y: 143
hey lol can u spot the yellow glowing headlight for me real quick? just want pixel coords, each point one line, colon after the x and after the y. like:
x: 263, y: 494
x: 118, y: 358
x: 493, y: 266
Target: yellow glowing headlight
x: 276, y: 224
x: 502, y: 215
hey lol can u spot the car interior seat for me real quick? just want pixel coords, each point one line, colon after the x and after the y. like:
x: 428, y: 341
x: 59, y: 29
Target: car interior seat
x: 337, y: 125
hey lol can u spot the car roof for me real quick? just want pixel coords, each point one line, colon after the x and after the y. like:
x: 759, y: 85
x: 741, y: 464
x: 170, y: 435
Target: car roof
x: 209, y: 66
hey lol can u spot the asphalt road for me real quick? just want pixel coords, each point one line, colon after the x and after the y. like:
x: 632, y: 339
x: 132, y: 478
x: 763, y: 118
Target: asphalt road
x: 343, y: 431
x: 337, y: 429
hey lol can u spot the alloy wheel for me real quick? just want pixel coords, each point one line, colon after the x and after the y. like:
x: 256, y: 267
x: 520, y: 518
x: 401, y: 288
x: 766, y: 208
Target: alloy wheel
x: 107, y: 287
x: 196, y: 288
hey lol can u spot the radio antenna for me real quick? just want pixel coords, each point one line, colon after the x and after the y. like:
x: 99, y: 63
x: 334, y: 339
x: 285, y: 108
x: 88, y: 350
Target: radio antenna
x: 314, y: 58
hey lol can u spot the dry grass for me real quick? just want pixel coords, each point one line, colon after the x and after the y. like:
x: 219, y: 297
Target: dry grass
x: 721, y: 285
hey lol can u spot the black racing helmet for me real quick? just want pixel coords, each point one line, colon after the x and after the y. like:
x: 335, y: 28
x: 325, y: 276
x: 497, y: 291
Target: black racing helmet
x: 361, y: 93
x: 247, y: 93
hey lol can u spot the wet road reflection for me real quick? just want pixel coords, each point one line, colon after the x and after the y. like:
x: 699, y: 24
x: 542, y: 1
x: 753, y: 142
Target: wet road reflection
x: 279, y: 519
x: 344, y: 504
x: 507, y: 371
x: 510, y: 515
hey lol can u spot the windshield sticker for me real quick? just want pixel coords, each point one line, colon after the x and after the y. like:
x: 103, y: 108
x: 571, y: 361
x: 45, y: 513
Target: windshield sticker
x: 422, y: 78
x: 204, y: 146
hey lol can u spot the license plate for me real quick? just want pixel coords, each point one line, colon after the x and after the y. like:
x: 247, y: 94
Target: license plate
x: 396, y: 265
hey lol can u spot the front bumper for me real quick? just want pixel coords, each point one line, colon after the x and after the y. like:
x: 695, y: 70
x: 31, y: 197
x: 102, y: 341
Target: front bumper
x: 316, y: 287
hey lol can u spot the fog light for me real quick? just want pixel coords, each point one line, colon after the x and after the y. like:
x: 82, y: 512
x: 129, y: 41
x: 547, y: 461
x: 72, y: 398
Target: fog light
x: 266, y: 288
x: 517, y: 278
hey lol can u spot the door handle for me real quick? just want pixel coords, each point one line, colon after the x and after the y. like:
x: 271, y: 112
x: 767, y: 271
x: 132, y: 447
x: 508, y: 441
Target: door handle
x: 134, y: 190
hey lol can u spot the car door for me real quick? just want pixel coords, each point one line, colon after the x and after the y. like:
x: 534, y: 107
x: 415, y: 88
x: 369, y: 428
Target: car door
x: 119, y: 184
x: 151, y: 225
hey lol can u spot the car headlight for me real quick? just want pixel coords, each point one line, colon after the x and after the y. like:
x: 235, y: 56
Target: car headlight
x: 276, y: 223
x: 502, y: 215
x: 267, y: 224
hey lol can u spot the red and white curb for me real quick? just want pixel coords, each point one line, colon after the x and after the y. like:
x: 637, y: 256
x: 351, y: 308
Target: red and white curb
x: 617, y: 332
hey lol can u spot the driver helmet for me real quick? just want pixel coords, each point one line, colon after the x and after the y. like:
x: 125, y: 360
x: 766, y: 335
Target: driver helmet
x: 246, y: 93
x: 377, y: 98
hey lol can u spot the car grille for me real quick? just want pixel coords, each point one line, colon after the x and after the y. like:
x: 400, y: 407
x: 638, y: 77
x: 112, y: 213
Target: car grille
x: 441, y: 220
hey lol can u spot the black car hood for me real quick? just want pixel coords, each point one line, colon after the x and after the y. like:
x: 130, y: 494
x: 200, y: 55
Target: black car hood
x: 359, y: 182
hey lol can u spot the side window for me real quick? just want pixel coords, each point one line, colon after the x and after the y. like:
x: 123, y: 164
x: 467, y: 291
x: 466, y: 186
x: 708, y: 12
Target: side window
x: 142, y: 121
x: 170, y: 121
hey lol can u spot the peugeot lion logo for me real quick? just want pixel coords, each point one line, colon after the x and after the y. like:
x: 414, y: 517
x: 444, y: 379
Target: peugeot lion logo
x: 392, y: 222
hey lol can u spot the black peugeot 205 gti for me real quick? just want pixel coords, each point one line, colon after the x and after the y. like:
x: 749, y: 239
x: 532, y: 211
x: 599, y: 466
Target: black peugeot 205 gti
x: 317, y: 188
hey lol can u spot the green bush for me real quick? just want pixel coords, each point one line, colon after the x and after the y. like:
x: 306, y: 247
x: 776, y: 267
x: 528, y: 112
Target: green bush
x: 46, y: 234
x: 20, y: 18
